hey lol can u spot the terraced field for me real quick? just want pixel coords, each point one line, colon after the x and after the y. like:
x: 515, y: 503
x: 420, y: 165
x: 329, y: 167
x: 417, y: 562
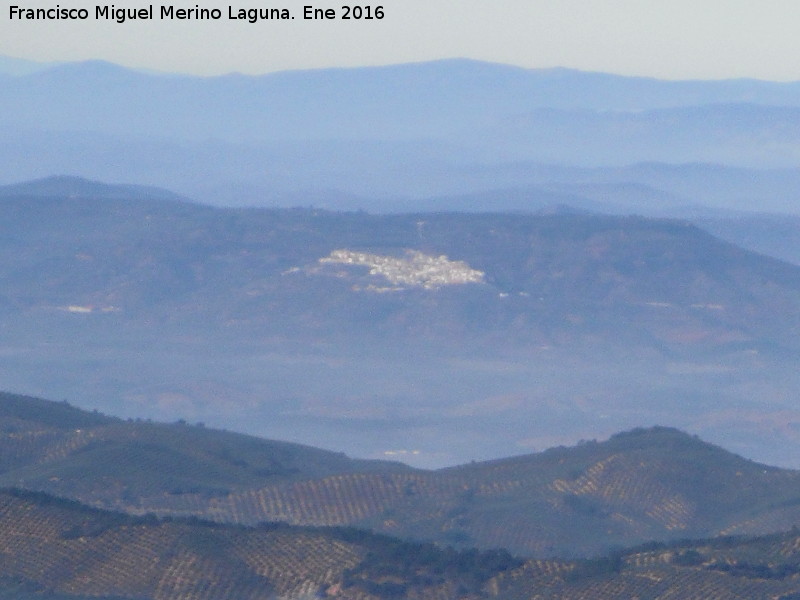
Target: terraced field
x: 61, y: 547
x: 58, y: 550
x: 655, y: 484
x: 719, y: 569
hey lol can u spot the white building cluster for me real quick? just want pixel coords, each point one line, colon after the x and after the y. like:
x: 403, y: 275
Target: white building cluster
x: 415, y: 269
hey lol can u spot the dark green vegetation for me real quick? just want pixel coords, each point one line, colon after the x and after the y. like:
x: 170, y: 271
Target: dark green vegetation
x: 649, y: 484
x: 121, y: 299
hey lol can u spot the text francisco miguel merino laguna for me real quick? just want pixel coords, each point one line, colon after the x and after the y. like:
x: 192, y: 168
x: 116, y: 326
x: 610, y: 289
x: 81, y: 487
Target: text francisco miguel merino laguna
x: 171, y: 12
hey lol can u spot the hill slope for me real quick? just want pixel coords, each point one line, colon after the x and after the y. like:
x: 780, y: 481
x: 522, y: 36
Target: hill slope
x: 529, y: 279
x: 462, y: 336
x: 657, y: 484
x: 52, y: 547
x: 78, y: 187
x: 54, y: 550
x: 727, y: 568
x: 94, y: 458
x: 638, y: 486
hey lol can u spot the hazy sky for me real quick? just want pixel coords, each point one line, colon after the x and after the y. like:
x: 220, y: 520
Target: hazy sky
x: 662, y: 38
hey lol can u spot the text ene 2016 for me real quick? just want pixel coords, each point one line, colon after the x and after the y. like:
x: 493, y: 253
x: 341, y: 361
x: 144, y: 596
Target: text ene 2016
x: 347, y: 12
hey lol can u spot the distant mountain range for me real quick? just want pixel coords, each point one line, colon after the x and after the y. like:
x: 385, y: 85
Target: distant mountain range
x: 350, y: 138
x: 413, y: 101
